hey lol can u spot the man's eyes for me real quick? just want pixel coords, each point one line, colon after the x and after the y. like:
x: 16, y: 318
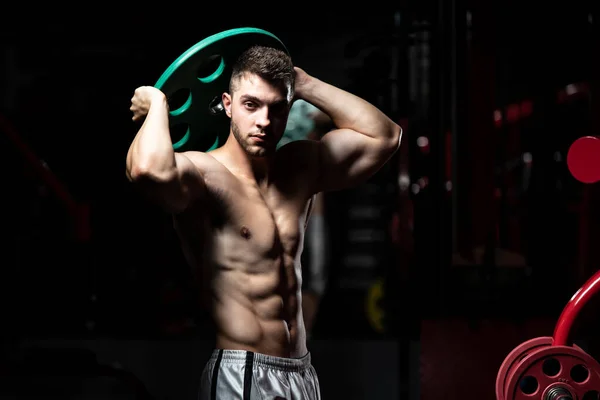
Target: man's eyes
x: 276, y: 109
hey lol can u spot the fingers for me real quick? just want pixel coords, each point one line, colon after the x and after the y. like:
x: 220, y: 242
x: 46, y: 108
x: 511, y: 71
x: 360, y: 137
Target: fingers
x: 140, y: 102
x: 133, y: 109
x: 137, y: 116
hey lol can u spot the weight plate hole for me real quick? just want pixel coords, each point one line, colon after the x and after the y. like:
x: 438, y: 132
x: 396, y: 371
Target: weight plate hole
x: 210, y: 69
x: 591, y: 395
x: 179, y: 101
x: 551, y: 367
x: 579, y: 373
x: 179, y: 134
x: 528, y: 384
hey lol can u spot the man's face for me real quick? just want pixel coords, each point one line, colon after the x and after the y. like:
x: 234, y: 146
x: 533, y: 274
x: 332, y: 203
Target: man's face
x: 259, y: 113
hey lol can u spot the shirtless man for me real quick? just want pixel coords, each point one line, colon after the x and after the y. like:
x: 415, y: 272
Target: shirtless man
x: 240, y: 211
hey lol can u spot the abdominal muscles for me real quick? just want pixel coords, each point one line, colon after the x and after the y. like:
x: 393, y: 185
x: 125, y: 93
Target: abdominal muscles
x: 256, y: 306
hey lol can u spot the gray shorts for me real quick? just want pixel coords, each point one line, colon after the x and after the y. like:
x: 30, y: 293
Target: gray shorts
x: 244, y: 375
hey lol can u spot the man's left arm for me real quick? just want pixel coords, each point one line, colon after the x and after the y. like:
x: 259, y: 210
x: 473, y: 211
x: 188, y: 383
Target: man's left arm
x: 364, y: 138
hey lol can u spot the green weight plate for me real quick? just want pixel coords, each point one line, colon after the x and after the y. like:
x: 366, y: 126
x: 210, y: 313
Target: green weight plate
x: 187, y: 77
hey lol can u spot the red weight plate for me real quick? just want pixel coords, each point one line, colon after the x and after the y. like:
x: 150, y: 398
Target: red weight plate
x: 576, y: 372
x: 512, y: 360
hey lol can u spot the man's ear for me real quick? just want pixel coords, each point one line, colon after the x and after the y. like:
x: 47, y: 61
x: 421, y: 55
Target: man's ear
x: 226, y: 100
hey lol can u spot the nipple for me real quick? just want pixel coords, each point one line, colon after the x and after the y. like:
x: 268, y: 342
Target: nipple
x: 245, y: 232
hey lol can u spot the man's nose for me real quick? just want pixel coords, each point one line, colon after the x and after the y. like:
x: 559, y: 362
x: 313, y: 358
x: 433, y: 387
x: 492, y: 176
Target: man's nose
x: 263, y: 118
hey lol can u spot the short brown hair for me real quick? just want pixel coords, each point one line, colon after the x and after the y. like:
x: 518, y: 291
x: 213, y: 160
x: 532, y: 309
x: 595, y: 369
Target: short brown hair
x: 271, y: 64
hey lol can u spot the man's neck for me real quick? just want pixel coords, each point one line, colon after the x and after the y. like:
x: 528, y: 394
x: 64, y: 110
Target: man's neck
x: 257, y: 169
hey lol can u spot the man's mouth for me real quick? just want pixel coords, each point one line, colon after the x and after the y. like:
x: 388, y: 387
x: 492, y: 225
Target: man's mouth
x: 258, y: 138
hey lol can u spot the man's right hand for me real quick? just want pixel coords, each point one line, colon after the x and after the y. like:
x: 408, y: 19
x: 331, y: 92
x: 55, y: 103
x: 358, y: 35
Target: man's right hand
x: 141, y: 100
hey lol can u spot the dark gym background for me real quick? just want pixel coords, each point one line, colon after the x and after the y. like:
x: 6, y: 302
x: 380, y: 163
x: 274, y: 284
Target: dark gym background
x: 470, y: 242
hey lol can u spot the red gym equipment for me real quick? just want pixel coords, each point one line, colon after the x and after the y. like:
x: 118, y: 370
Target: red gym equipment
x: 553, y: 368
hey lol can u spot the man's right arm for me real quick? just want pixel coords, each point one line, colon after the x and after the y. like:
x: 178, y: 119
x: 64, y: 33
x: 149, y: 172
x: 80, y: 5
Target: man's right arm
x: 169, y: 178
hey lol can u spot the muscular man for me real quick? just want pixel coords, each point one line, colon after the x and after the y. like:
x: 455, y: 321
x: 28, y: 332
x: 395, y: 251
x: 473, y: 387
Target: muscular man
x: 240, y: 211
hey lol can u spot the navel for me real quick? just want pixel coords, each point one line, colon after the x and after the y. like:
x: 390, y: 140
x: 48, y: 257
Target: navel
x: 245, y: 232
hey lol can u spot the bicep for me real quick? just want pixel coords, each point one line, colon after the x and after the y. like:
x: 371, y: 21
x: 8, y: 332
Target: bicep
x: 178, y: 191
x: 348, y: 158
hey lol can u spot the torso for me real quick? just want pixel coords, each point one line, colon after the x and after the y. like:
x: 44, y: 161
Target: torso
x: 246, y: 243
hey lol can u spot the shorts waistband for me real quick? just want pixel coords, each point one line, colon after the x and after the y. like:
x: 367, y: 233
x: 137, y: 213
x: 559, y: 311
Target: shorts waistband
x: 268, y: 361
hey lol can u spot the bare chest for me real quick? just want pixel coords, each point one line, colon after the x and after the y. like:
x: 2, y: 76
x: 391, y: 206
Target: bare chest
x: 259, y: 225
